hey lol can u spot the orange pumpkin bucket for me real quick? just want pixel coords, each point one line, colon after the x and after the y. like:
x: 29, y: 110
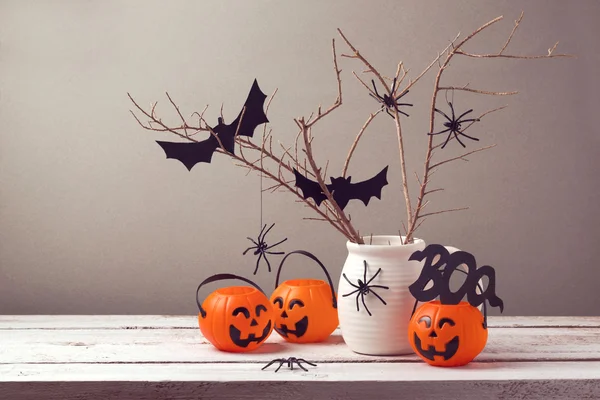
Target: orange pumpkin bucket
x: 447, y: 335
x: 449, y: 332
x: 235, y: 318
x: 305, y: 309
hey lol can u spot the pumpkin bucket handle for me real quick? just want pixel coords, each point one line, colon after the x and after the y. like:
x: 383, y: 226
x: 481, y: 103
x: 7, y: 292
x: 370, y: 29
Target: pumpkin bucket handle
x: 220, y: 277
x: 314, y: 258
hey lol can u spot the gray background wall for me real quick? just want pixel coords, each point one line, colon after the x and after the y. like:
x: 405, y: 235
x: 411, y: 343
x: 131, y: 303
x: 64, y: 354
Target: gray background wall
x: 93, y: 219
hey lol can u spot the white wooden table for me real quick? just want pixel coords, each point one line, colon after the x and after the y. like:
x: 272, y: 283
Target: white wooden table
x: 165, y: 357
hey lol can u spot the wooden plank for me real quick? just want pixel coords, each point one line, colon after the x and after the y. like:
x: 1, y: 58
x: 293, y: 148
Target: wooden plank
x: 543, y: 322
x: 172, y: 345
x: 483, y: 390
x: 327, y: 372
x: 545, y: 380
x: 10, y: 322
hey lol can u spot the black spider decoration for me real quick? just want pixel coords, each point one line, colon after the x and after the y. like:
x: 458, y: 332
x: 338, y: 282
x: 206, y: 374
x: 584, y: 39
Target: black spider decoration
x: 389, y: 102
x: 290, y: 363
x: 363, y: 288
x: 261, y: 248
x: 454, y: 125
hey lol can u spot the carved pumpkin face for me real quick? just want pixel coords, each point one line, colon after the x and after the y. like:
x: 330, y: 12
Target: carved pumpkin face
x: 238, y: 318
x: 447, y: 335
x: 304, y: 311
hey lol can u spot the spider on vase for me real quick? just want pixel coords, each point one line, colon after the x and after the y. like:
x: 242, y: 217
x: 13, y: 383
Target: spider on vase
x: 364, y: 287
x: 389, y: 102
x: 454, y: 125
x: 290, y: 363
x: 261, y: 248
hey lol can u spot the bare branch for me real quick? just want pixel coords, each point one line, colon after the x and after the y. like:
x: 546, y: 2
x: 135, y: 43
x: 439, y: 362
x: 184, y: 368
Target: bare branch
x: 338, y: 100
x: 433, y: 191
x: 443, y: 211
x: 427, y: 169
x: 183, y: 123
x: 435, y: 60
x: 396, y: 121
x: 517, y: 22
x: 364, y: 61
x: 356, y: 140
x: 461, y: 156
x: 417, y: 178
x: 549, y: 55
x: 466, y: 89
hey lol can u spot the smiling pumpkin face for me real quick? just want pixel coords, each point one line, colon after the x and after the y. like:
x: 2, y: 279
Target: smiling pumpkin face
x: 447, y: 335
x: 304, y: 312
x: 238, y: 318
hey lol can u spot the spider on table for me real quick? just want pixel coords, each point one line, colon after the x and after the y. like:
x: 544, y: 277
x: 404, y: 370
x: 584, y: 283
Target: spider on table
x: 389, y: 102
x: 454, y: 125
x: 364, y: 287
x: 290, y: 363
x: 261, y: 248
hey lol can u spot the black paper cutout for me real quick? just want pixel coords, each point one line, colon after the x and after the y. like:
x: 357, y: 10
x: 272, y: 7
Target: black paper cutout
x: 261, y: 248
x: 454, y: 125
x: 342, y: 189
x: 192, y: 153
x: 440, y: 273
x: 290, y: 363
x: 363, y: 288
x: 388, y: 102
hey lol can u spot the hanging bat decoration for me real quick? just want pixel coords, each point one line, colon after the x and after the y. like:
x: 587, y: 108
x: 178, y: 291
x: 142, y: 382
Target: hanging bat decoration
x: 192, y: 153
x: 440, y: 272
x: 342, y: 189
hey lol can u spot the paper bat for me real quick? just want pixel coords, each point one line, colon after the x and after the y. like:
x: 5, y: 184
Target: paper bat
x: 342, y: 189
x: 192, y: 153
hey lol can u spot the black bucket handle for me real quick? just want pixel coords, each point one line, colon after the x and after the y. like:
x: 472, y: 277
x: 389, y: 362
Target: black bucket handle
x: 219, y: 277
x: 314, y: 258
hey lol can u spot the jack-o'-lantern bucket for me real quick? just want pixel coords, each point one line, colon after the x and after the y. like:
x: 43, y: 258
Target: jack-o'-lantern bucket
x: 447, y: 335
x: 235, y: 318
x: 449, y: 332
x: 305, y: 309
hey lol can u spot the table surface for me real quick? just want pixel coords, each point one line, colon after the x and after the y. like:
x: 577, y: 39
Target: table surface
x: 165, y: 357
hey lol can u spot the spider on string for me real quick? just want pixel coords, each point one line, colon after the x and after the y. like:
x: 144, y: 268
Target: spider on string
x: 364, y: 287
x: 290, y: 363
x: 453, y: 126
x: 261, y: 248
x: 389, y: 102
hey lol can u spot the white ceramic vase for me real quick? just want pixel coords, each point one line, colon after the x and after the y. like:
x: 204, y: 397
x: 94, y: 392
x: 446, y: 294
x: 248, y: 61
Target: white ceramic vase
x: 371, y: 327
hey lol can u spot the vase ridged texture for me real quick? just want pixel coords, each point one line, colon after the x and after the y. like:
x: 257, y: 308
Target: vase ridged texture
x: 384, y: 331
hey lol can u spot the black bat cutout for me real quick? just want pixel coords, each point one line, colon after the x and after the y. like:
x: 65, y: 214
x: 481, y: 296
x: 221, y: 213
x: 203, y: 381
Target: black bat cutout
x: 192, y: 153
x: 342, y: 189
x: 440, y: 272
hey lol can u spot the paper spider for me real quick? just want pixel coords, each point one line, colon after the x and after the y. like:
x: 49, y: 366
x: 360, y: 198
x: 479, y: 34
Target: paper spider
x: 261, y: 247
x: 363, y: 288
x: 454, y: 124
x: 389, y: 102
x: 290, y: 363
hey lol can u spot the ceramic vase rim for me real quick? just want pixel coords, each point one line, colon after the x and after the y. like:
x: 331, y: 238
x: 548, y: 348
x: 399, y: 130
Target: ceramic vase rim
x: 395, y: 244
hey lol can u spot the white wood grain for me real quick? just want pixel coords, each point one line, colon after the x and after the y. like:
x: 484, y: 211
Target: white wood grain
x: 165, y: 357
x: 546, y: 380
x: 9, y: 322
x: 323, y: 372
x: 174, y: 345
